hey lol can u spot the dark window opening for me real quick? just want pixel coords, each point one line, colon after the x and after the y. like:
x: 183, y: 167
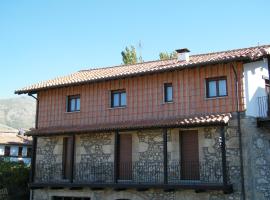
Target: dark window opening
x: 216, y: 87
x: 7, y: 150
x: 73, y: 103
x: 20, y: 151
x: 29, y: 152
x: 67, y: 157
x: 71, y: 198
x: 118, y: 98
x: 168, y: 92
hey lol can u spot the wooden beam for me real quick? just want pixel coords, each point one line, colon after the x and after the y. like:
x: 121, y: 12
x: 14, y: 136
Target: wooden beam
x: 196, y: 186
x: 73, y: 154
x: 33, y: 159
x: 116, y: 153
x: 165, y: 156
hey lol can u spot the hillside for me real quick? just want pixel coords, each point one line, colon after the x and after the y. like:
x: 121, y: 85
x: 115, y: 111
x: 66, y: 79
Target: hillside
x: 18, y: 112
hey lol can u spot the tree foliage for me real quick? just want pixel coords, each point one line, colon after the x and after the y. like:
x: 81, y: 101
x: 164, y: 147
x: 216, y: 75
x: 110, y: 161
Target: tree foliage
x: 129, y: 55
x: 14, y: 178
x: 166, y: 55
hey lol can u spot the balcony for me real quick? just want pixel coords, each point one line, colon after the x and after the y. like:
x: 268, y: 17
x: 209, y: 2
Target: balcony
x: 264, y: 111
x: 263, y: 105
x: 139, y: 175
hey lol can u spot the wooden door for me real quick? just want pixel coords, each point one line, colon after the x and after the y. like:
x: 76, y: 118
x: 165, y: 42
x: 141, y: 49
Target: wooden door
x: 67, y: 157
x: 189, y: 155
x: 125, y: 157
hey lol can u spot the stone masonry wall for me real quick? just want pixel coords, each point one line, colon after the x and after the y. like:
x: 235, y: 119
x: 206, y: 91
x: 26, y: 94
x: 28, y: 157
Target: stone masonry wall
x: 256, y: 159
x: 49, y: 158
x: 94, y: 157
x: 147, y: 146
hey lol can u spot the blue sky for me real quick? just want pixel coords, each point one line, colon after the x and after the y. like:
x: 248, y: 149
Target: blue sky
x: 43, y: 39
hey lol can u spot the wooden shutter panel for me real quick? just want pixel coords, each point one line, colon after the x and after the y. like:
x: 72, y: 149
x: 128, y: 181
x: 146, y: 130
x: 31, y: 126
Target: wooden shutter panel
x: 189, y: 155
x: 67, y: 157
x: 125, y: 157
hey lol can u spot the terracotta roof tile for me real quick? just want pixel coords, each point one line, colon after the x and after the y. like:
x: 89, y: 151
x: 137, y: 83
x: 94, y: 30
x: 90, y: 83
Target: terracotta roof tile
x: 106, y: 73
x: 203, y: 120
x: 14, y: 138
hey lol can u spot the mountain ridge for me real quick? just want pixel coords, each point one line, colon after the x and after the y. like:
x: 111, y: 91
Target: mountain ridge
x: 17, y: 113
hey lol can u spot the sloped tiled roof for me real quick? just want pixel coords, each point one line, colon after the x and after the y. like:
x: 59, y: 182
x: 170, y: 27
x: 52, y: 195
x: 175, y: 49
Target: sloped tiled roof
x: 202, y: 120
x: 14, y: 139
x: 107, y: 73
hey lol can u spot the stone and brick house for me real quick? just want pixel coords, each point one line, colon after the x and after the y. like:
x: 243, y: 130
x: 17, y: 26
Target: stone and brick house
x: 195, y: 127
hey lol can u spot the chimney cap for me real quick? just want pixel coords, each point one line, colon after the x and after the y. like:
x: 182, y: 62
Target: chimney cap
x: 185, y: 50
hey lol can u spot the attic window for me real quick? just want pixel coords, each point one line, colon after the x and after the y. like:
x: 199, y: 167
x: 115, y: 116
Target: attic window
x: 216, y: 87
x: 73, y: 103
x: 118, y: 98
x: 168, y: 92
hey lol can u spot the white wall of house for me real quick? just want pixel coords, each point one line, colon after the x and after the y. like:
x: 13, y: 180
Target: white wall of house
x: 2, y: 150
x: 14, y: 150
x: 254, y: 85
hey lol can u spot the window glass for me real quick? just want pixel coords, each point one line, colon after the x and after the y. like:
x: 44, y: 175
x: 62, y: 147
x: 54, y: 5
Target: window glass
x: 73, y: 103
x: 212, y: 90
x: 116, y: 99
x: 78, y: 104
x: 168, y: 90
x: 222, y: 88
x: 14, y: 151
x: 123, y: 99
x: 169, y: 93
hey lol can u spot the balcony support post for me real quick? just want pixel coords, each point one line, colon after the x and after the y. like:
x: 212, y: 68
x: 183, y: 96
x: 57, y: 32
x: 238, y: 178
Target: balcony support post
x: 165, y: 158
x: 268, y: 92
x: 33, y: 159
x: 223, y: 154
x: 116, y: 153
x: 268, y: 105
x: 73, y: 158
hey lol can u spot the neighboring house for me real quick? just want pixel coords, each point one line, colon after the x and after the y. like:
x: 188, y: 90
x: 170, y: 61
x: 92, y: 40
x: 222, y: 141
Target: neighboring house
x: 15, y: 146
x: 184, y: 128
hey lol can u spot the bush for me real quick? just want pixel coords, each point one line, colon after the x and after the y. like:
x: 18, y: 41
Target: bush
x: 15, y: 177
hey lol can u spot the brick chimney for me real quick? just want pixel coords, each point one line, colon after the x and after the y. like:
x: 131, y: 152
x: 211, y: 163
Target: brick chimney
x: 183, y: 54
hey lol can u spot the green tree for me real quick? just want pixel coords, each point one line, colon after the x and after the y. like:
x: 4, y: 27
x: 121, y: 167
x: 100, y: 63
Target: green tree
x: 14, y: 178
x: 129, y: 55
x: 166, y: 55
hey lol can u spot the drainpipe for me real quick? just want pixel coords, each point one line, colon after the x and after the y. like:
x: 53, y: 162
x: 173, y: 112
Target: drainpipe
x: 239, y: 132
x: 268, y: 94
x: 34, y: 146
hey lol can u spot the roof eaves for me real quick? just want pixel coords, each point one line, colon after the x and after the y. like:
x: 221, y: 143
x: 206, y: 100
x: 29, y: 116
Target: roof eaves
x: 33, y: 91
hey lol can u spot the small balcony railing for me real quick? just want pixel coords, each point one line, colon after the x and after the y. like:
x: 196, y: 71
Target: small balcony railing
x: 263, y: 106
x: 134, y: 173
